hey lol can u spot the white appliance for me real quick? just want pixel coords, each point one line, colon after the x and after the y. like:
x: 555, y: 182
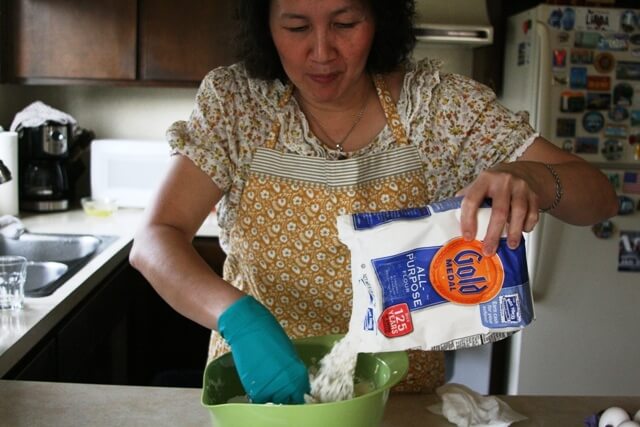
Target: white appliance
x: 128, y: 170
x: 576, y: 70
x: 464, y: 22
x: 449, y: 31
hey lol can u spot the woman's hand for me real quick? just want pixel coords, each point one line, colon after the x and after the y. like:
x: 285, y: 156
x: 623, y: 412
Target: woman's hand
x: 267, y: 363
x: 514, y: 205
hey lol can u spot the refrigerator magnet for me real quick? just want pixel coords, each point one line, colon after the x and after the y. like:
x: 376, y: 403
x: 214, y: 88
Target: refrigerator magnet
x: 560, y: 78
x: 555, y: 18
x: 604, y: 62
x: 578, y: 77
x: 614, y: 41
x: 568, y: 19
x: 618, y: 113
x: 586, y: 145
x: 593, y: 121
x: 597, y: 19
x: 582, y: 56
x: 572, y: 102
x: 628, y: 21
x: 623, y: 94
x: 559, y: 58
x: 566, y: 128
x: 616, y: 131
x: 598, y: 101
x: 614, y: 179
x: 563, y: 37
x: 524, y: 51
x: 604, y: 229
x: 626, y: 205
x: 635, y: 39
x: 601, y: 83
x: 587, y: 39
x: 567, y: 145
x: 629, y: 251
x: 612, y: 149
x: 635, y: 117
x: 628, y: 70
x: 631, y: 182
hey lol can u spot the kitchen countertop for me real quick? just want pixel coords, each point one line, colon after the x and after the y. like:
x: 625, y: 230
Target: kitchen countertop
x: 36, y: 404
x: 20, y: 330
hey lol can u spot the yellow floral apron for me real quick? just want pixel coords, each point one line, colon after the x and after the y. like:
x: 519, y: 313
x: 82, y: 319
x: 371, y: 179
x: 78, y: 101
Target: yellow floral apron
x: 284, y: 248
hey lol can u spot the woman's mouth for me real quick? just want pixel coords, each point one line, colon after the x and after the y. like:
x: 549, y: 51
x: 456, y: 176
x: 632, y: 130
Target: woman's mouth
x: 323, y: 78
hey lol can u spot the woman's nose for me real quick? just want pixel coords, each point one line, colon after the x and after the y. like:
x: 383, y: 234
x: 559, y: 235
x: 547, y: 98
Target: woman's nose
x: 323, y: 49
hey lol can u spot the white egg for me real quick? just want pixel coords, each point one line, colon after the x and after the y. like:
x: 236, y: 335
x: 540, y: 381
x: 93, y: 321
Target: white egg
x: 613, y: 417
x: 636, y: 417
x: 628, y: 423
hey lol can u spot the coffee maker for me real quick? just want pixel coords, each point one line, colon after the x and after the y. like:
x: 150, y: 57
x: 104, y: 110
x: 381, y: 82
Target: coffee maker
x: 43, y: 151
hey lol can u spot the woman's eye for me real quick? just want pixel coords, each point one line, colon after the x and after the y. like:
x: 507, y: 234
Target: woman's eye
x: 296, y: 29
x: 345, y: 24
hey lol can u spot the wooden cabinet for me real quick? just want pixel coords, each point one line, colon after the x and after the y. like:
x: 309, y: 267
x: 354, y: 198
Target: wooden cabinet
x: 70, y: 39
x: 143, y: 42
x: 183, y: 40
x: 92, y: 342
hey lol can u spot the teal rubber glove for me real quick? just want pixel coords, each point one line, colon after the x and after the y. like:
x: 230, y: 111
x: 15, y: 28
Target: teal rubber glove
x: 267, y: 363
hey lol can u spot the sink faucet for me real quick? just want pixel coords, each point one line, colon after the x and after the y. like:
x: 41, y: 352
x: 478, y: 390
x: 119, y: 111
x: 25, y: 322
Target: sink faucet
x: 5, y: 173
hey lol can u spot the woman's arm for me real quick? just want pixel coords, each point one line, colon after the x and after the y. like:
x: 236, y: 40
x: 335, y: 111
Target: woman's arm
x: 520, y: 189
x: 266, y: 361
x: 162, y: 249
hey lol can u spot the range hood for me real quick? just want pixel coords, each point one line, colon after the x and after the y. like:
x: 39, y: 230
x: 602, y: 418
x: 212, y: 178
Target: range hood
x: 453, y: 22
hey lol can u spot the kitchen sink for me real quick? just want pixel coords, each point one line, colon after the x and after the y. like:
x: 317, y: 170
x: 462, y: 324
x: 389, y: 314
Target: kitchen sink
x: 53, y: 258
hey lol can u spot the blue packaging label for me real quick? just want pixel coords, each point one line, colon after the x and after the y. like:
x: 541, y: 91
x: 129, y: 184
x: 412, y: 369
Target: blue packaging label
x: 366, y: 220
x: 404, y: 280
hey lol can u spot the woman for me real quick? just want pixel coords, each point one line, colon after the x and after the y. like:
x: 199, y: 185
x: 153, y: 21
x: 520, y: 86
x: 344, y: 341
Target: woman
x: 325, y: 116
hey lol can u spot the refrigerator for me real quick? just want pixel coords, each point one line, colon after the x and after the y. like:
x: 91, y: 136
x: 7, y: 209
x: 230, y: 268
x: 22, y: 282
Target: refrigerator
x: 576, y: 71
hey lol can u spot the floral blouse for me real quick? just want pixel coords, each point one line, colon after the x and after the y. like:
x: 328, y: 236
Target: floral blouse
x: 456, y: 123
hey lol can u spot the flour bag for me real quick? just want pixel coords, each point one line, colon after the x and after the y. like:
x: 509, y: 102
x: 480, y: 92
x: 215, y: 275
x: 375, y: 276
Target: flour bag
x: 418, y: 284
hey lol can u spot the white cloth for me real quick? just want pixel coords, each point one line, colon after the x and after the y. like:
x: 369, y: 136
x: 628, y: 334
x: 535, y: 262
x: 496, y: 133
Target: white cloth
x: 38, y: 113
x: 466, y: 408
x: 11, y: 227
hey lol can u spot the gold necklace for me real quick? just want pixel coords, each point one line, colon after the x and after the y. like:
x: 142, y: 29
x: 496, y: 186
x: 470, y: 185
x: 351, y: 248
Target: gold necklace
x: 338, y: 145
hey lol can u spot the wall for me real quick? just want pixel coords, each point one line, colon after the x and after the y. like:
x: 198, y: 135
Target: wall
x: 111, y: 112
x: 455, y: 58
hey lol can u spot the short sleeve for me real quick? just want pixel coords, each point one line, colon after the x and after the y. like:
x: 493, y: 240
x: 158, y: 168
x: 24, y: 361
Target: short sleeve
x: 472, y: 130
x: 205, y: 137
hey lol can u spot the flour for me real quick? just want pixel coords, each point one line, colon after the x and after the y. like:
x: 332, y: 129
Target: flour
x: 334, y: 381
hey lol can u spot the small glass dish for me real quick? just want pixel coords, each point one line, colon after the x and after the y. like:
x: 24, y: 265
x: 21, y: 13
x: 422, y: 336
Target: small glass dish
x: 99, y: 206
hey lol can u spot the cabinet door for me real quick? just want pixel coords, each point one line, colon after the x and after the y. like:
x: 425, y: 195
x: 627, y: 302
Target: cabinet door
x: 41, y: 364
x: 92, y: 343
x: 71, y: 39
x: 182, y: 40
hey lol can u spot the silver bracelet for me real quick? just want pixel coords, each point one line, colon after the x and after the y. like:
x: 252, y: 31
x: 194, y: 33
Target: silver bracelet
x: 559, y: 191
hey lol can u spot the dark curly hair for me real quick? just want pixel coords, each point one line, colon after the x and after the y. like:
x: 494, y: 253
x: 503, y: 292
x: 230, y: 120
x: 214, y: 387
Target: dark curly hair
x: 393, y: 40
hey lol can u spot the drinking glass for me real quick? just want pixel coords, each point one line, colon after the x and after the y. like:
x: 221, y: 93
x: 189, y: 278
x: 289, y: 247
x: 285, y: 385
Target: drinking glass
x: 13, y: 273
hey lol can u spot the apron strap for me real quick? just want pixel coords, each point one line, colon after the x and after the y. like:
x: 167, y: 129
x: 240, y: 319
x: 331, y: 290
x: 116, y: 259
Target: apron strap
x: 386, y: 100
x: 272, y: 139
x: 390, y: 110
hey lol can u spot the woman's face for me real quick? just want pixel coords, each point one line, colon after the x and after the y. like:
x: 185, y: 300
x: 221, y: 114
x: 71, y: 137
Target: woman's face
x: 323, y: 45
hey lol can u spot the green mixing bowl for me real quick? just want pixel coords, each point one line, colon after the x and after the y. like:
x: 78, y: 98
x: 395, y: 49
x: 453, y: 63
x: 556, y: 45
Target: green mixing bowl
x: 381, y: 370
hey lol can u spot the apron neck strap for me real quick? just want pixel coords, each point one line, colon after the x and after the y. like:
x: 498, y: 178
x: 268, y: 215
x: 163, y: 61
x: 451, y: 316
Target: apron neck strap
x: 390, y: 110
